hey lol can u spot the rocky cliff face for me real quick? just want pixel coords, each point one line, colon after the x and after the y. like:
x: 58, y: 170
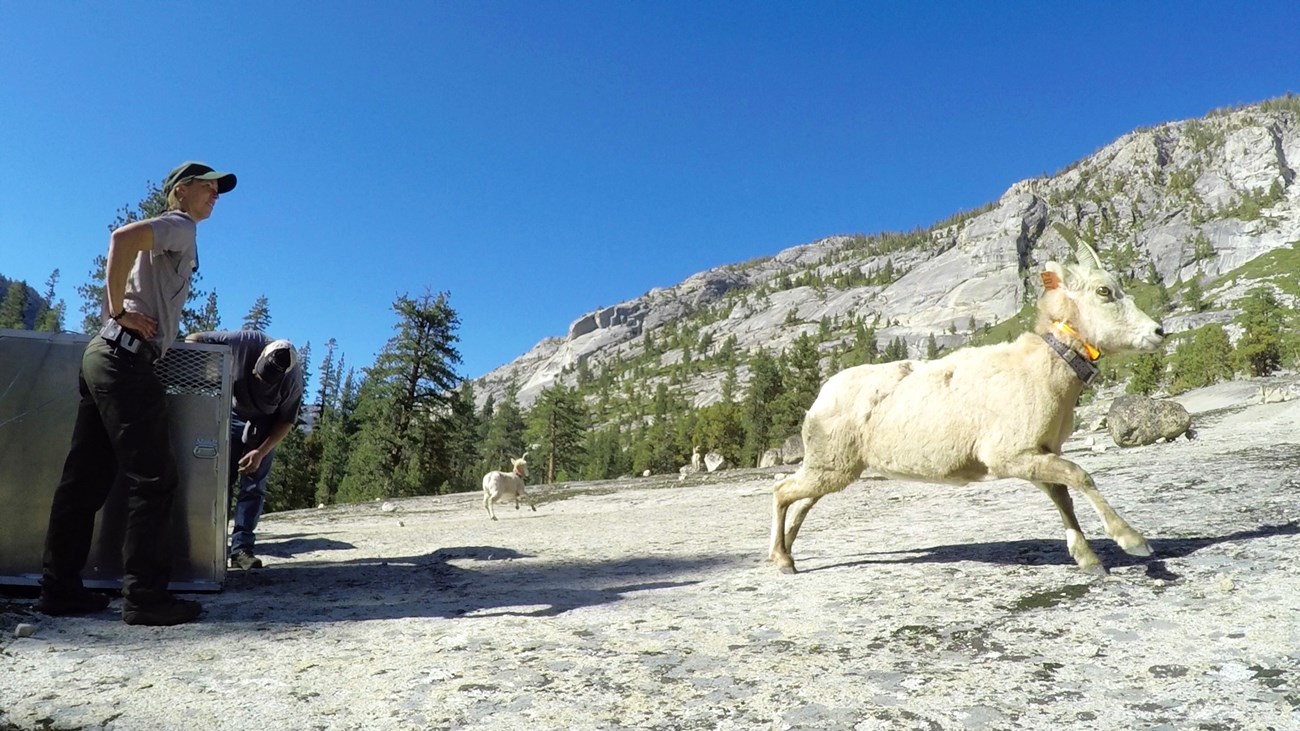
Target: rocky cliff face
x: 1194, y: 199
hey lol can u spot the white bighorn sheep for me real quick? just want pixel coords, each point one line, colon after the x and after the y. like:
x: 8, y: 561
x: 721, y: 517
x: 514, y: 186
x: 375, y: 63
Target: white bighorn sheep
x: 500, y: 487
x: 988, y: 412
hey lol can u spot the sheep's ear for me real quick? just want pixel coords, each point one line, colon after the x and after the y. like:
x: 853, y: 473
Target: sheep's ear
x: 1053, y: 276
x: 1088, y: 257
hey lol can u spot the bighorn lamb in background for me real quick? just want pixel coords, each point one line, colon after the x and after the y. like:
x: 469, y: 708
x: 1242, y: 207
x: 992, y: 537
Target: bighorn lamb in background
x: 985, y: 412
x: 502, y: 486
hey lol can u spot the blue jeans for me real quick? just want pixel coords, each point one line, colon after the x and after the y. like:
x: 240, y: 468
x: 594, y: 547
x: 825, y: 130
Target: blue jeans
x: 251, y: 494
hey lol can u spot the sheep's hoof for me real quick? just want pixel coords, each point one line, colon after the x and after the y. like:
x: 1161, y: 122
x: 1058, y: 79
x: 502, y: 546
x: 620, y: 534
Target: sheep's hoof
x: 1096, y: 569
x: 534, y: 507
x: 1135, y: 545
x: 785, y: 564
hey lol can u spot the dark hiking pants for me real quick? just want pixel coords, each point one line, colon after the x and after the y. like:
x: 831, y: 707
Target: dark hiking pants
x: 120, y: 436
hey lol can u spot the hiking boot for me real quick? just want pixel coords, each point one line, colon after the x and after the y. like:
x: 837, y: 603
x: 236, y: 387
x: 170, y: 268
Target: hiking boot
x: 69, y: 601
x: 244, y: 560
x: 162, y: 614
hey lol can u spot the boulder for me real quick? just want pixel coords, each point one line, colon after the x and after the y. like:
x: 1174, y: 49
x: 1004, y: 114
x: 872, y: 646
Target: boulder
x: 770, y: 458
x: 714, y: 461
x: 1134, y: 421
x: 792, y: 450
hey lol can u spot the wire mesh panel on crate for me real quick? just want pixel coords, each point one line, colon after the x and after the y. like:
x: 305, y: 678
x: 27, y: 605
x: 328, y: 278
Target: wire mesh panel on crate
x: 38, y: 406
x: 194, y: 371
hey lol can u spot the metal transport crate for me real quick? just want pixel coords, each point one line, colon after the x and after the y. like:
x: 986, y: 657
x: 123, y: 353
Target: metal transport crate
x: 38, y: 406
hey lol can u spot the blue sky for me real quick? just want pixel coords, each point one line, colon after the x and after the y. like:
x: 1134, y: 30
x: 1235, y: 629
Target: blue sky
x: 538, y: 160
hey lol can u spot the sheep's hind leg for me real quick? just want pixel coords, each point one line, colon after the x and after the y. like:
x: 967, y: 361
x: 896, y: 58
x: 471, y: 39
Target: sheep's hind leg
x: 1075, y: 542
x: 804, y: 484
x: 801, y: 512
x: 487, y: 505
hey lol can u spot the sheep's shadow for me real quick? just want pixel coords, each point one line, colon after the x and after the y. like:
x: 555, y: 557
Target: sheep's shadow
x: 464, y: 582
x: 1035, y: 552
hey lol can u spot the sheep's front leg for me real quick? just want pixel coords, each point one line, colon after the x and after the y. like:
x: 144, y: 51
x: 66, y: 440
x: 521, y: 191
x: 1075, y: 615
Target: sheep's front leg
x: 1075, y: 541
x: 1051, y: 468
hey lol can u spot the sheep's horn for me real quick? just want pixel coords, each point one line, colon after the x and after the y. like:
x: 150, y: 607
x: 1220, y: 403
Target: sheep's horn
x: 1092, y: 256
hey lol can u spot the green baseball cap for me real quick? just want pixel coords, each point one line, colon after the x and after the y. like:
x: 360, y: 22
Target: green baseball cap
x: 197, y: 170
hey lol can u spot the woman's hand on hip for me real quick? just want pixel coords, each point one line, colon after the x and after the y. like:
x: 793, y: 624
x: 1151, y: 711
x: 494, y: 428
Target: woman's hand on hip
x: 139, y: 323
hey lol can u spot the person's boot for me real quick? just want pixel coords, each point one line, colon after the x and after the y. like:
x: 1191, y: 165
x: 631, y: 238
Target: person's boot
x: 65, y: 600
x: 243, y: 559
x: 161, y: 614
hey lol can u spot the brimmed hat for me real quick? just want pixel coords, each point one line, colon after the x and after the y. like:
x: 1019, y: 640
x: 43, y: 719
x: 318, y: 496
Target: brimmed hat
x: 198, y: 171
x: 277, y: 358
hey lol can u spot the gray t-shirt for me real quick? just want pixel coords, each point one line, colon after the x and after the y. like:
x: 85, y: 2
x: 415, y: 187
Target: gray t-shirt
x: 256, y: 401
x: 159, y: 283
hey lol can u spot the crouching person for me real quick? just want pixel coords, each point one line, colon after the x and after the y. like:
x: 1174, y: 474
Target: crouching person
x: 267, y: 393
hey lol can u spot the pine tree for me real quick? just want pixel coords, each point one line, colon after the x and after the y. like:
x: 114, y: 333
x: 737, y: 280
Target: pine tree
x: 504, y: 431
x: 196, y: 318
x: 1148, y: 373
x: 727, y: 352
x: 654, y: 447
x: 304, y: 360
x: 259, y: 315
x: 13, y: 310
x: 92, y: 296
x: 326, y: 426
x: 801, y: 379
x: 756, y: 417
x: 1194, y: 295
x: 864, y: 348
x: 1203, y: 360
x: 404, y: 404
x: 1202, y: 249
x: 291, y: 485
x: 463, y: 441
x: 606, y: 457
x: 557, y: 424
x: 485, y: 415
x: 1259, y: 350
x: 896, y: 350
x: 49, y: 317
x: 931, y: 347
x: 206, y: 319
x: 335, y: 429
x: 718, y: 429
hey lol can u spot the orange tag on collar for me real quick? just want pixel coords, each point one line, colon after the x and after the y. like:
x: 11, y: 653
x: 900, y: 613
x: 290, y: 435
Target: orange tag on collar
x: 1065, y: 329
x: 1050, y: 280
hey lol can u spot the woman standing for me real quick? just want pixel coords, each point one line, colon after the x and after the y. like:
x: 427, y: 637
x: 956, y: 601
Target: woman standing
x: 121, y: 429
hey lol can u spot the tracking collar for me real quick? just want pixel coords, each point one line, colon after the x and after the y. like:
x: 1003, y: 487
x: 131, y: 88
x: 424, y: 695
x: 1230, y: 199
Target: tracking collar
x: 1082, y: 365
